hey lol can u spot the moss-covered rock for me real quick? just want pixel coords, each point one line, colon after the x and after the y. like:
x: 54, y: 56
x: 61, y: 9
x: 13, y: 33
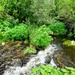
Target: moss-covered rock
x: 69, y: 43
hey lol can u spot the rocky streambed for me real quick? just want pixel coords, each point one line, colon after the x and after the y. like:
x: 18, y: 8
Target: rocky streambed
x: 11, y: 54
x: 14, y: 62
x: 42, y: 57
x: 66, y: 54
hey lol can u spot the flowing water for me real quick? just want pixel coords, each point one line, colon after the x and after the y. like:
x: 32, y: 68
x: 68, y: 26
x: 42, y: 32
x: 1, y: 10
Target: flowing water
x: 43, y: 57
x: 56, y: 54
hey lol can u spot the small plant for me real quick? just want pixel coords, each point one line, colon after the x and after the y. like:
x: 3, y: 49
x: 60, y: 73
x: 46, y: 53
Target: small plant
x: 6, y: 23
x: 50, y: 70
x: 30, y: 50
x: 2, y: 38
x: 58, y: 28
x: 17, y: 33
x: 40, y: 37
x: 70, y: 34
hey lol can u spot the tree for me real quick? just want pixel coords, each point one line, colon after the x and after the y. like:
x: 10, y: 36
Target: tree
x: 43, y: 11
x: 19, y: 9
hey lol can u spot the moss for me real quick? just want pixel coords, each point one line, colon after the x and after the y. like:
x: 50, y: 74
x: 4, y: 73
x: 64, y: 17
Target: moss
x: 69, y: 43
x: 1, y: 40
x: 18, y: 45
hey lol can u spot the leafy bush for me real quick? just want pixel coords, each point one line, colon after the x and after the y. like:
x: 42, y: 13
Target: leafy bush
x: 4, y: 24
x: 19, y: 9
x: 17, y: 33
x: 50, y: 70
x: 58, y: 28
x: 40, y: 36
x: 29, y: 50
x: 1, y: 37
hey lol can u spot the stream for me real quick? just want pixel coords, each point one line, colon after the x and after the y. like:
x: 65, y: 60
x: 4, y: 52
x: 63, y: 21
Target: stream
x: 43, y: 57
x: 13, y: 62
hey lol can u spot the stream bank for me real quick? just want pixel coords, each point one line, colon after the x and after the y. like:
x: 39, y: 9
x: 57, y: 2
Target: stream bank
x: 66, y: 55
x: 11, y: 54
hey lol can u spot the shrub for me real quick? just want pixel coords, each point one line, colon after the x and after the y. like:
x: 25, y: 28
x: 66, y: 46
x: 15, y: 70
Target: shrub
x: 50, y: 70
x: 6, y: 23
x: 19, y: 9
x: 58, y: 28
x: 29, y: 50
x: 1, y: 37
x: 17, y: 33
x: 40, y: 36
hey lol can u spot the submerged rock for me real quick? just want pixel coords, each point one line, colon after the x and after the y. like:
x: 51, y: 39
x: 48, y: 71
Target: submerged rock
x: 16, y: 62
x: 9, y: 51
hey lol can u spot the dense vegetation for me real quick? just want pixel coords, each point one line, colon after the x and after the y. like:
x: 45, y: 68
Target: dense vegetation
x: 58, y: 16
x: 50, y: 70
x: 36, y: 21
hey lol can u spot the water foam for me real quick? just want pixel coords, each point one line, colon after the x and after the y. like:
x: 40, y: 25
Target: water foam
x: 41, y: 58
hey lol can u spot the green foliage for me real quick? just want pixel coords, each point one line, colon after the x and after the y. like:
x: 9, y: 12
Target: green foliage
x: 70, y: 34
x: 1, y: 37
x: 74, y: 33
x: 66, y: 10
x: 19, y: 32
x: 19, y: 9
x: 37, y: 12
x: 1, y: 8
x: 12, y: 20
x: 58, y: 28
x: 43, y: 11
x: 30, y: 50
x: 50, y: 70
x: 40, y: 36
x: 66, y: 13
x: 4, y: 24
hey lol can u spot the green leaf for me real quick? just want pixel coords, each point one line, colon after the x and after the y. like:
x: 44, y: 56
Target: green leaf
x: 72, y: 73
x: 1, y: 8
x: 63, y: 70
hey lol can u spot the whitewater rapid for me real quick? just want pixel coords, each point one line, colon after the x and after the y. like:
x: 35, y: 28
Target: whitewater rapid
x: 43, y: 57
